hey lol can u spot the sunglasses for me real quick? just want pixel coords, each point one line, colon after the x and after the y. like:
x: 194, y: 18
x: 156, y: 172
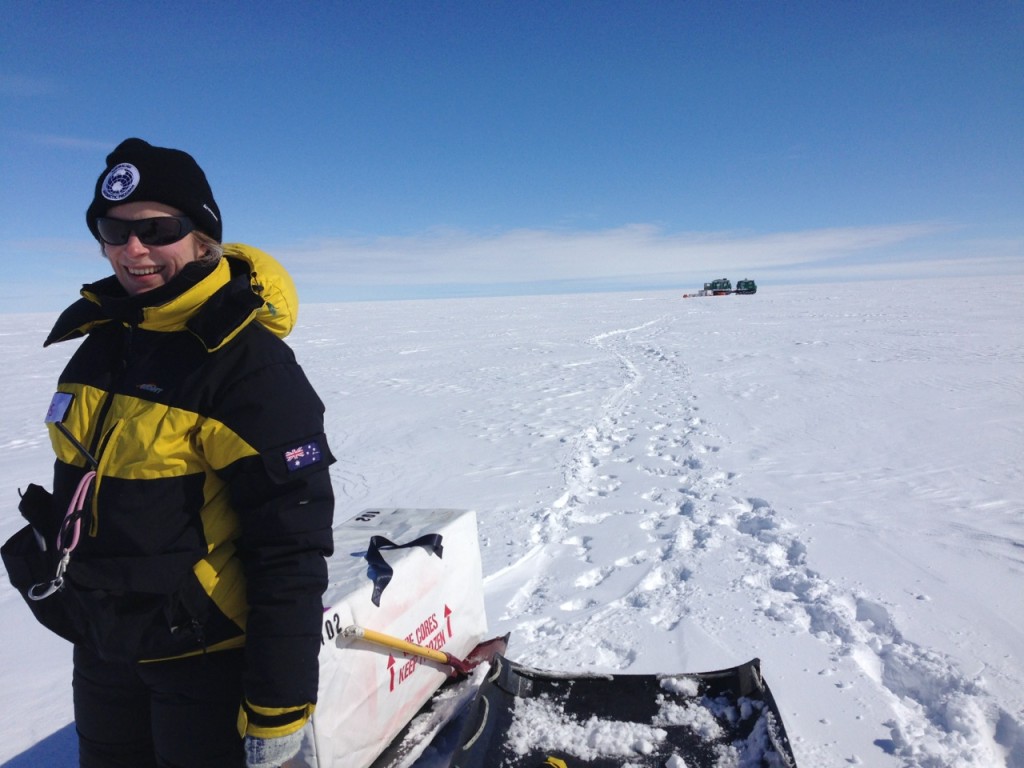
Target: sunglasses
x: 160, y: 230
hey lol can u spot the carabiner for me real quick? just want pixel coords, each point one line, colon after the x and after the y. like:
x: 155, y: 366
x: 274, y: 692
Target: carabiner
x: 53, y: 585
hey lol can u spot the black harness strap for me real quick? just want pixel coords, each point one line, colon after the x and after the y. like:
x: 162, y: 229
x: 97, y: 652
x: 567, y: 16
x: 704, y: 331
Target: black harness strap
x: 381, y: 572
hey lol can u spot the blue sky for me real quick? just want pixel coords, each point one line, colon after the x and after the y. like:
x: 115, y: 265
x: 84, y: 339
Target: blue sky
x: 409, y: 149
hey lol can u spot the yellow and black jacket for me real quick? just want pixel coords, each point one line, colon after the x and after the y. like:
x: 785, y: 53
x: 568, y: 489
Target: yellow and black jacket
x: 210, y: 514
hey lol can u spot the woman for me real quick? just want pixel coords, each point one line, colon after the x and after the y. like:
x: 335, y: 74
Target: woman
x: 193, y: 444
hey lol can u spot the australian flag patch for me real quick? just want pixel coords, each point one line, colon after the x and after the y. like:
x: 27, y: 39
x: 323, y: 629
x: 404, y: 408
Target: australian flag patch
x: 303, y: 455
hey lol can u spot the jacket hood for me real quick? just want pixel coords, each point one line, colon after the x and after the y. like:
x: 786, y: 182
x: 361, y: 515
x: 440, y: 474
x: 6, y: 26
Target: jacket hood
x: 213, y: 303
x: 269, y: 280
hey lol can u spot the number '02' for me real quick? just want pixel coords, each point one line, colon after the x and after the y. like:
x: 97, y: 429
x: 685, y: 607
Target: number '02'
x: 332, y: 628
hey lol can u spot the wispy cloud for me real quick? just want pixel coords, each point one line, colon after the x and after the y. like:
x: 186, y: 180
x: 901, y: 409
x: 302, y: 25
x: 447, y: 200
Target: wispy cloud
x: 67, y: 142
x: 28, y: 86
x: 521, y: 256
x: 641, y: 257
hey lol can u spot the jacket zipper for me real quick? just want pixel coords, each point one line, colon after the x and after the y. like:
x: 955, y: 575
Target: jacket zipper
x: 94, y: 506
x: 102, y: 439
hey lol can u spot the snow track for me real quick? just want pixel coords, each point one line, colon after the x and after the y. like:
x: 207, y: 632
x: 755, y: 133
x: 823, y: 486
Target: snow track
x: 646, y: 529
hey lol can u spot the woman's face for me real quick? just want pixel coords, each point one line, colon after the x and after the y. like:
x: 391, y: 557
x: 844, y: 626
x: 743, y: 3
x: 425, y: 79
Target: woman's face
x: 139, y: 267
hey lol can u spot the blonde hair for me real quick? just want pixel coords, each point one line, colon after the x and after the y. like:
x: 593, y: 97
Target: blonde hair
x: 213, y: 250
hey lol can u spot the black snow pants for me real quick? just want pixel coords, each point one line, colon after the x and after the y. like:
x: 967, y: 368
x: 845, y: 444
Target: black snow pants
x: 169, y: 714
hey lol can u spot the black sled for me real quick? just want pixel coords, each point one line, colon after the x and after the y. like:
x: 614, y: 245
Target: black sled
x: 527, y: 718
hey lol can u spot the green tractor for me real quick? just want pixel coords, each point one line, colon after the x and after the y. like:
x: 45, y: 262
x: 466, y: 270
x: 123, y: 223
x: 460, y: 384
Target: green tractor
x: 746, y: 286
x: 720, y: 287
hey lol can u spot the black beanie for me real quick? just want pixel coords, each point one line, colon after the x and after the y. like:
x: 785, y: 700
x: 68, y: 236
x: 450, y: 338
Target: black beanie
x: 138, y: 171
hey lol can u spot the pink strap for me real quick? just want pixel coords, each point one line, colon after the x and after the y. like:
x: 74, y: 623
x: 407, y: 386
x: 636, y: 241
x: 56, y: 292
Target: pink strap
x: 72, y: 520
x: 75, y: 512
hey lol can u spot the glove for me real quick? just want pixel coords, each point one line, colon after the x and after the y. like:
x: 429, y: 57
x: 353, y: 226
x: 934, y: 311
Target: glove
x: 271, y: 753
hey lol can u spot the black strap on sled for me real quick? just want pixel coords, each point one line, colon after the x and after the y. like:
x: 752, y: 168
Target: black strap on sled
x: 381, y: 572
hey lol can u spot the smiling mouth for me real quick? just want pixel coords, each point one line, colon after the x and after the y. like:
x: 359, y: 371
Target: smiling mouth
x: 142, y: 271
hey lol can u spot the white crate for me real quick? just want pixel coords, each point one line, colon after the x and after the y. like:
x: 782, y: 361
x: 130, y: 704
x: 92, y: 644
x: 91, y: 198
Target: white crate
x: 369, y: 693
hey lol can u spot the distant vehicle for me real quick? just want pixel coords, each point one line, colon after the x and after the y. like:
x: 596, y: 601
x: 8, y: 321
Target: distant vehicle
x: 720, y: 287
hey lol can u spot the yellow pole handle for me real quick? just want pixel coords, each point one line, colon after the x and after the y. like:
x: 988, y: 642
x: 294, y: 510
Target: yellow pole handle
x: 396, y: 643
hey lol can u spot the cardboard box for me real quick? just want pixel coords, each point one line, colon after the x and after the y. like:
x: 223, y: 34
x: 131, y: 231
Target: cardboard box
x: 434, y: 598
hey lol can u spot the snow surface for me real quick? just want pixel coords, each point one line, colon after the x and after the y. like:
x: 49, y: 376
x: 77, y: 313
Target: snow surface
x: 825, y: 477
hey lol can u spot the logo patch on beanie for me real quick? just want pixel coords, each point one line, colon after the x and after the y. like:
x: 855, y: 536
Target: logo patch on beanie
x: 120, y: 182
